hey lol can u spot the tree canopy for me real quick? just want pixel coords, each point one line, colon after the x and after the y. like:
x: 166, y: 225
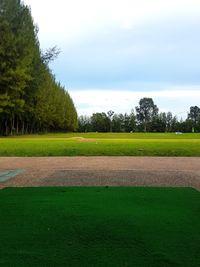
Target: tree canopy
x: 146, y: 112
x: 147, y: 118
x: 31, y: 100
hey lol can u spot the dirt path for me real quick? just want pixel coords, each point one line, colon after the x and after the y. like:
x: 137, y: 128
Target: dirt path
x: 89, y: 171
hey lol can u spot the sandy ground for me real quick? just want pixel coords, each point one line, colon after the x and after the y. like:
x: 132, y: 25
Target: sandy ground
x: 111, y: 171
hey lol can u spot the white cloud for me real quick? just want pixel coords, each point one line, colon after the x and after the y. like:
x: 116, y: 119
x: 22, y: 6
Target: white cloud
x: 115, y: 41
x: 98, y: 100
x: 71, y: 20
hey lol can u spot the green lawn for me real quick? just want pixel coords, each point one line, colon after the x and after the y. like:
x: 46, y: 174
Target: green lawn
x: 99, y: 226
x: 99, y: 144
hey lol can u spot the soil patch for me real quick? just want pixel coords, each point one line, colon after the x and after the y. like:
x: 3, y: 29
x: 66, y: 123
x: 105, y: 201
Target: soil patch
x: 100, y: 171
x: 84, y: 140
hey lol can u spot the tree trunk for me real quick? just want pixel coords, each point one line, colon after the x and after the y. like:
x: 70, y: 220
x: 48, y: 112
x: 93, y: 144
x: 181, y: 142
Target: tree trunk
x: 17, y: 126
x: 145, y: 126
x: 23, y: 127
x: 6, y: 127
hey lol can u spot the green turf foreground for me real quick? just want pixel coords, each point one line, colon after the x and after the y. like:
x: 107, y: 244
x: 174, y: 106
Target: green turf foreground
x: 99, y: 226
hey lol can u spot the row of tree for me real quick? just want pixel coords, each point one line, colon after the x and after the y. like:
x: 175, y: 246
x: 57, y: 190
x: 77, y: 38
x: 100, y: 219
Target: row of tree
x: 146, y: 118
x: 30, y: 98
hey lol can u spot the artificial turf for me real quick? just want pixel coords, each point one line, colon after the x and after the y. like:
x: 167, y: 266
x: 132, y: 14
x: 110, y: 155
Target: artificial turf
x: 99, y: 226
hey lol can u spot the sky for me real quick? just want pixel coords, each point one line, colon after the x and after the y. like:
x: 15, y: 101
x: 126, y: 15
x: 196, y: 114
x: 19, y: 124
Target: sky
x: 115, y: 52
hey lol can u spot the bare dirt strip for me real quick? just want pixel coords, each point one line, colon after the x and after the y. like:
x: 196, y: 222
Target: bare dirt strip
x: 102, y: 171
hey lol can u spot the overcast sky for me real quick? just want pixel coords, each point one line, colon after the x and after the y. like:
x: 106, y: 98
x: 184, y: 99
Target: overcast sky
x: 115, y: 52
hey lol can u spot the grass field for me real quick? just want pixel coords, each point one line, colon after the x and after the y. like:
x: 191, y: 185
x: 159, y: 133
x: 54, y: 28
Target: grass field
x: 102, y: 226
x: 99, y: 144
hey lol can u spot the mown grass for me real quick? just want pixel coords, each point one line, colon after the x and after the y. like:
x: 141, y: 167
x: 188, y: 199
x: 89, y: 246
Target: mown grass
x: 100, y: 144
x: 112, y: 135
x: 143, y: 227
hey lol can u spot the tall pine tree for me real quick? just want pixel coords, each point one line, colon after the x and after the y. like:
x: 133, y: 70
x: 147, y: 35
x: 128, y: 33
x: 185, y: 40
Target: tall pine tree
x: 30, y: 98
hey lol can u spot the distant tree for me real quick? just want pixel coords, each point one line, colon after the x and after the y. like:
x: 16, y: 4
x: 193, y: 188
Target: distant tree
x: 158, y: 123
x: 84, y: 124
x: 194, y: 114
x: 100, y: 122
x: 145, y: 112
x: 133, y: 121
x: 198, y: 126
x: 126, y: 123
x: 110, y: 114
x: 169, y: 118
x: 175, y: 126
x: 162, y: 122
x: 130, y: 122
x: 116, y: 123
x: 185, y: 126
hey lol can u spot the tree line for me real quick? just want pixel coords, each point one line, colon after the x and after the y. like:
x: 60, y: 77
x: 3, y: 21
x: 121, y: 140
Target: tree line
x: 31, y: 100
x: 145, y: 118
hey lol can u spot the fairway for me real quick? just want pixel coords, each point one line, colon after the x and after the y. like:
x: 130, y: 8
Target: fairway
x: 102, y: 144
x: 99, y: 227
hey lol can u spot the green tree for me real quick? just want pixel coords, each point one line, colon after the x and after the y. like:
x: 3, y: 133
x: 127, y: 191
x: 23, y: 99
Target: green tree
x: 194, y: 114
x: 84, y: 124
x: 110, y: 114
x: 16, y: 45
x: 100, y: 122
x: 30, y: 98
x: 146, y: 112
x: 194, y: 117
